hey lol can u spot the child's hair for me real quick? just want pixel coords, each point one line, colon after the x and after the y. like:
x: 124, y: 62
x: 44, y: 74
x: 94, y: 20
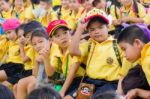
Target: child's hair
x: 131, y: 33
x: 95, y: 2
x: 29, y: 27
x: 20, y: 27
x: 96, y: 19
x: 107, y: 95
x: 47, y: 1
x: 44, y: 93
x: 62, y: 28
x: 40, y: 32
x: 5, y: 93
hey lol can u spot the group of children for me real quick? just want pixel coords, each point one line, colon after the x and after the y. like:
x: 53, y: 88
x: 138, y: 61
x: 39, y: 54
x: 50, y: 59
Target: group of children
x: 90, y: 41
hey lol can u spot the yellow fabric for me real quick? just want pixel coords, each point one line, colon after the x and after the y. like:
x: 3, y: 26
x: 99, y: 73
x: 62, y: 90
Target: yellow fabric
x: 56, y: 2
x: 14, y: 53
x: 19, y: 14
x: 73, y: 19
x: 146, y: 1
x: 7, y: 15
x: 145, y: 61
x: 147, y: 18
x: 29, y: 51
x: 130, y: 11
x: 4, y: 45
x: 102, y: 62
x: 48, y: 17
x: 63, y: 58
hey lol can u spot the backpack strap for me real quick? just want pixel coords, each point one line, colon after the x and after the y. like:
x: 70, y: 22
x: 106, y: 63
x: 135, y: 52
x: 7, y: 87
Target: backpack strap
x: 117, y: 52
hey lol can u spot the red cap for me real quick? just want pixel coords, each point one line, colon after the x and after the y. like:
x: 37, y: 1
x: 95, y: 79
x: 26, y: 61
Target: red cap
x: 53, y: 25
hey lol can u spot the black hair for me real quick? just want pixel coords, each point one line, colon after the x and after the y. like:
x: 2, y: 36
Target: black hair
x: 40, y: 32
x: 136, y: 9
x: 107, y: 95
x: 47, y: 1
x: 96, y: 19
x: 20, y: 27
x: 29, y: 27
x: 95, y: 2
x: 131, y: 33
x: 44, y: 93
x: 6, y: 93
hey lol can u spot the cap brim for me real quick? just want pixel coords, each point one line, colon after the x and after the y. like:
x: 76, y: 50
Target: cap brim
x: 56, y: 27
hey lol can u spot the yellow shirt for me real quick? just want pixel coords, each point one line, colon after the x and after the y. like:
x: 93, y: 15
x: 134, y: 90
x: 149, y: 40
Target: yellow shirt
x: 4, y: 45
x: 65, y: 13
x: 29, y: 51
x: 56, y: 2
x: 131, y: 13
x: 19, y: 14
x: 51, y: 15
x: 101, y: 62
x: 64, y: 60
x: 14, y: 53
x: 145, y: 61
x: 6, y: 15
x: 73, y: 19
x: 147, y: 18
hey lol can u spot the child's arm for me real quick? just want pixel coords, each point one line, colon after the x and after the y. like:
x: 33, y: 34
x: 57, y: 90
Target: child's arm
x: 119, y: 88
x: 74, y: 46
x: 133, y: 20
x: 145, y: 94
x: 69, y: 79
x: 22, y: 52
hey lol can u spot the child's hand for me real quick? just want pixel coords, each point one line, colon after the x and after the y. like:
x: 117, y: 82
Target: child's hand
x: 131, y: 94
x: 125, y: 19
x: 39, y: 59
x: 22, y: 41
x: 116, y: 22
x: 81, y: 25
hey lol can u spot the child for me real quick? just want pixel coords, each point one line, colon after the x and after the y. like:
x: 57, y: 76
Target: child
x: 6, y: 9
x: 19, y: 10
x: 44, y: 92
x: 72, y: 71
x: 134, y: 41
x: 13, y: 63
x: 48, y: 14
x: 102, y: 69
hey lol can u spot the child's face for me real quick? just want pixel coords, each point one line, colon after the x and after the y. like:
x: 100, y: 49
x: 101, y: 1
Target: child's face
x: 131, y: 51
x: 87, y: 4
x: 62, y: 38
x: 73, y: 4
x: 11, y: 35
x: 40, y: 43
x: 28, y: 38
x: 101, y: 4
x: 20, y: 33
x: 98, y: 31
x: 44, y: 5
x: 4, y: 5
x: 19, y: 3
x: 126, y: 2
x: 64, y: 3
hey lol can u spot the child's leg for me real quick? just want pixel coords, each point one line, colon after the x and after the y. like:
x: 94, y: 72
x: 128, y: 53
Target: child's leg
x: 15, y: 90
x: 22, y: 87
x: 3, y: 75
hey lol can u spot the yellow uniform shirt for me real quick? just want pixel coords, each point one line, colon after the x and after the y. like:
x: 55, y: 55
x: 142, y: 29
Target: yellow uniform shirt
x: 64, y: 61
x: 147, y: 18
x: 19, y: 14
x: 131, y: 13
x: 145, y: 61
x: 102, y: 62
x: 6, y: 15
x: 29, y: 51
x: 65, y: 14
x: 51, y: 15
x: 4, y: 45
x: 56, y: 2
x: 73, y: 19
x: 14, y: 53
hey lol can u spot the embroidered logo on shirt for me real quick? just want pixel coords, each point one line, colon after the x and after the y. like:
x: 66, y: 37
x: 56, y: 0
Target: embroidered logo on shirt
x: 109, y: 60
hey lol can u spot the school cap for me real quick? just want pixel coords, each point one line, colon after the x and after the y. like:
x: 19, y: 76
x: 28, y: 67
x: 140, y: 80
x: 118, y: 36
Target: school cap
x: 10, y: 24
x: 96, y: 13
x: 53, y: 25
